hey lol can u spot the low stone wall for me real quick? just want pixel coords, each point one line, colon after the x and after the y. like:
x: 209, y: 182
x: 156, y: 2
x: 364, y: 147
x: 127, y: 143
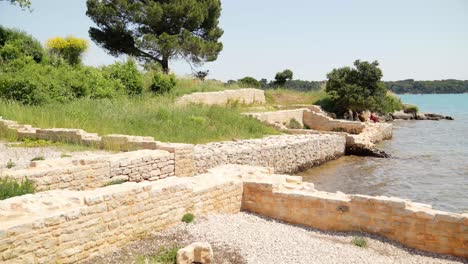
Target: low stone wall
x: 412, y: 224
x: 372, y: 133
x: 285, y: 153
x: 92, y: 172
x: 319, y: 121
x: 280, y: 118
x: 244, y: 96
x: 70, y: 227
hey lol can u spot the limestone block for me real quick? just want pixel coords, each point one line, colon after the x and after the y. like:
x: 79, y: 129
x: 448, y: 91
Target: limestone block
x: 198, y: 252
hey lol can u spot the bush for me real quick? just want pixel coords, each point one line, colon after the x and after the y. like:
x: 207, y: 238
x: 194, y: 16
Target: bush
x: 163, y: 83
x: 11, y: 188
x: 30, y: 83
x: 294, y: 124
x: 127, y: 73
x: 69, y: 48
x: 410, y: 109
x: 165, y: 255
x: 249, y: 82
x: 15, y: 44
x: 188, y: 218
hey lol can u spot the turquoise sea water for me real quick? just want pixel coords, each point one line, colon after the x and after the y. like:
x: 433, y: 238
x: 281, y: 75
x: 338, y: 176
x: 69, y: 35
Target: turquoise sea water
x: 429, y: 164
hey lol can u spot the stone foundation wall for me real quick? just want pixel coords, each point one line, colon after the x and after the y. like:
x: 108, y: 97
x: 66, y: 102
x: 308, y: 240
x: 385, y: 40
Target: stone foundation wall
x: 95, y: 171
x: 412, y: 224
x: 244, y: 96
x: 285, y: 153
x: 70, y: 227
x: 319, y: 121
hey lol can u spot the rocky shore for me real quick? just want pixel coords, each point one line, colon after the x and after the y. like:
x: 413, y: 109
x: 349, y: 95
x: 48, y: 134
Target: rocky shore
x: 402, y: 115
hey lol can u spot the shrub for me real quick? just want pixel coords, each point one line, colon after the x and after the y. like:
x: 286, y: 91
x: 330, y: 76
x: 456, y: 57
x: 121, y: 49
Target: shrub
x: 115, y: 182
x: 11, y: 188
x: 15, y: 44
x: 410, y: 109
x: 294, y: 124
x: 128, y: 74
x: 249, y: 82
x: 359, y: 241
x: 163, y: 83
x: 390, y: 104
x: 69, y: 48
x: 31, y: 83
x: 188, y: 218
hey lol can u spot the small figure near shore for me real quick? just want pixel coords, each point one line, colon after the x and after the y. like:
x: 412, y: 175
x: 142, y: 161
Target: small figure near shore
x: 374, y: 118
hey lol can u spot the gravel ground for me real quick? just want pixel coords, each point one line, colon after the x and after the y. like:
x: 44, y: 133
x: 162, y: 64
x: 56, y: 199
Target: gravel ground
x: 21, y: 156
x: 248, y: 238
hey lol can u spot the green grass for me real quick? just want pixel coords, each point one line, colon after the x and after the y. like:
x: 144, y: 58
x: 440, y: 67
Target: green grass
x: 40, y: 143
x: 11, y: 188
x: 359, y: 241
x: 10, y: 164
x: 155, y: 116
x: 38, y: 158
x: 188, y: 218
x: 165, y: 255
x: 287, y: 97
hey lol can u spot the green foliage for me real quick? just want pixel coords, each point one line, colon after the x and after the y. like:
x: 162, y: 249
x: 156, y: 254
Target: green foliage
x: 11, y: 188
x: 248, y: 82
x: 359, y: 241
x: 282, y: 77
x: 10, y: 164
x: 201, y: 75
x: 294, y: 124
x: 390, y: 104
x: 69, y: 48
x: 163, y: 83
x: 115, y: 182
x: 410, y: 109
x: 188, y: 218
x: 157, y: 30
x: 37, y: 158
x: 28, y: 82
x: 128, y: 75
x: 358, y: 88
x: 428, y: 87
x: 34, y: 143
x: 24, y: 4
x: 15, y: 44
x: 148, y: 115
x: 165, y: 255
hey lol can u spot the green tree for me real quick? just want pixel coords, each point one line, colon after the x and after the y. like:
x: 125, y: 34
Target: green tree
x: 359, y: 88
x: 249, y: 82
x: 22, y: 3
x: 282, y: 77
x: 158, y: 30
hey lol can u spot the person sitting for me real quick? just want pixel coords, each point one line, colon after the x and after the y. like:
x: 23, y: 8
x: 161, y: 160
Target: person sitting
x: 374, y: 118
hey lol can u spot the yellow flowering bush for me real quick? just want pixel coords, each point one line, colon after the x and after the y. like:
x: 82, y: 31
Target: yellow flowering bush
x: 70, y: 48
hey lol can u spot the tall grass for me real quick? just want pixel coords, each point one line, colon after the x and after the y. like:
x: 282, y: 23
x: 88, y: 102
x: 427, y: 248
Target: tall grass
x: 155, y: 116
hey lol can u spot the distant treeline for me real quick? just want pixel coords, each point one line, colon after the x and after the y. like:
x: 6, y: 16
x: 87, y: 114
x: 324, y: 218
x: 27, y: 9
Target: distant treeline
x: 428, y: 87
x: 298, y: 85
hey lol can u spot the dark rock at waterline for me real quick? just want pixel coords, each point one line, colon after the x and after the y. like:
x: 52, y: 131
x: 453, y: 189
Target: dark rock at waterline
x: 366, y: 151
x: 419, y: 116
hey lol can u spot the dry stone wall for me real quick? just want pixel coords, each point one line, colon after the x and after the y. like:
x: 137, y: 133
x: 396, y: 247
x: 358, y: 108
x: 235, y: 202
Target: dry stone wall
x: 319, y: 121
x: 285, y: 153
x: 70, y: 227
x: 244, y: 96
x: 92, y: 172
x: 280, y: 118
x: 412, y: 224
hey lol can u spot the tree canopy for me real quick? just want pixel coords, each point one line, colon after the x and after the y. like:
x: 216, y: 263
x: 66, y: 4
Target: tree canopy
x: 282, y: 77
x: 359, y: 88
x: 22, y: 3
x: 158, y: 30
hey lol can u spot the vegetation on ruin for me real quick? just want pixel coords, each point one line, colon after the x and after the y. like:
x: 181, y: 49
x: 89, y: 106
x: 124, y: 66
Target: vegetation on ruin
x: 165, y: 255
x: 359, y: 241
x: 115, y: 182
x: 188, y: 218
x: 10, y: 187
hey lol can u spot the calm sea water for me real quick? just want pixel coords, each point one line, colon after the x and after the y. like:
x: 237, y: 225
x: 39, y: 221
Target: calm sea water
x: 429, y: 164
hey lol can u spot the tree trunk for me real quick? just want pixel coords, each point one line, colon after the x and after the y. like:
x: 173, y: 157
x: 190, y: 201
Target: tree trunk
x: 165, y: 65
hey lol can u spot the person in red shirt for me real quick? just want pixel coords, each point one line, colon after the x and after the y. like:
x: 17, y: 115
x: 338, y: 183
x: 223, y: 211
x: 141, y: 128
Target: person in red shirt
x: 374, y: 118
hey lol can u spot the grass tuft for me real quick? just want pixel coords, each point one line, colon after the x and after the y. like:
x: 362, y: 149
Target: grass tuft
x: 359, y: 241
x: 38, y: 158
x: 11, y: 187
x: 165, y: 255
x: 10, y: 164
x: 114, y: 182
x: 188, y: 218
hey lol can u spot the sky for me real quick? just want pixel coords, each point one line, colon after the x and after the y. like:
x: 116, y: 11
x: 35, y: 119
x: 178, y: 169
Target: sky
x: 416, y: 39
